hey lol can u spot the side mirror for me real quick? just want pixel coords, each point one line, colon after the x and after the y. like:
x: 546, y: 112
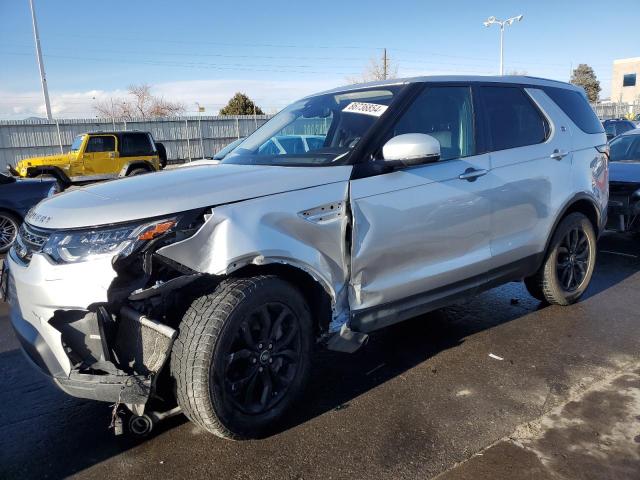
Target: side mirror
x: 609, y: 136
x: 411, y: 149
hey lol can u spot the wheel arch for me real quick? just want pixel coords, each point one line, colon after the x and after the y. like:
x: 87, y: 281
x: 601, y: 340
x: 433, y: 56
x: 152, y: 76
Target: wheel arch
x: 136, y: 164
x: 52, y: 170
x: 580, y: 203
x: 15, y: 213
x: 315, y: 291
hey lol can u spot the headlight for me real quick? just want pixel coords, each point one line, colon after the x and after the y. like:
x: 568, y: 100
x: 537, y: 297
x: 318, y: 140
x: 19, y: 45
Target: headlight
x: 81, y: 246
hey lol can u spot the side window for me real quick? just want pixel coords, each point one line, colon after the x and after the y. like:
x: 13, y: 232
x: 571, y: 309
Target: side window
x: 625, y: 127
x: 576, y: 107
x: 135, y: 144
x: 512, y: 119
x: 101, y: 144
x: 445, y: 113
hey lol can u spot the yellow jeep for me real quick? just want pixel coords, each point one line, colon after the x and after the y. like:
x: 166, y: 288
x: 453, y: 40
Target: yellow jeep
x: 98, y: 156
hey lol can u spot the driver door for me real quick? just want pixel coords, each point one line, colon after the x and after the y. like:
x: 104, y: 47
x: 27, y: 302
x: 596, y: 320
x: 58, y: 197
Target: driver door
x: 422, y: 233
x: 100, y: 155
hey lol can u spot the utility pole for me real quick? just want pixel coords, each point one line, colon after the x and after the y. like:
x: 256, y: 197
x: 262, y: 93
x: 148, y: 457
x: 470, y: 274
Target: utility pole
x: 43, y: 78
x: 385, y: 69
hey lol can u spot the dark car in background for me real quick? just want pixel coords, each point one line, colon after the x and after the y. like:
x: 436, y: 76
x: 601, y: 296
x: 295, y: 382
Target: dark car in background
x: 624, y: 182
x: 17, y: 196
x: 615, y: 127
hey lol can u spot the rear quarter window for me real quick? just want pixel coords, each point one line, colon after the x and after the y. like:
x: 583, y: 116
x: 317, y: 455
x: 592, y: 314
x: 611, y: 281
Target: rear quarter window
x: 576, y: 107
x: 136, y: 144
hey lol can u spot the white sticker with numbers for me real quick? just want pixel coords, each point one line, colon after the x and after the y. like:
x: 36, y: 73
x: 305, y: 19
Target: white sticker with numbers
x: 372, y: 109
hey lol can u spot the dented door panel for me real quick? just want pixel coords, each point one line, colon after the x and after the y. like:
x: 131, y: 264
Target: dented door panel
x: 418, y: 229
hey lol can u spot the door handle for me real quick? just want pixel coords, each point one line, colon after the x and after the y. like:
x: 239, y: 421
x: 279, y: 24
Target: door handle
x: 558, y: 154
x: 470, y: 174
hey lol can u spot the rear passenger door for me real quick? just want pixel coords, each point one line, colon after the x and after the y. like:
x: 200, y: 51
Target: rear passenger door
x: 531, y: 165
x: 422, y: 232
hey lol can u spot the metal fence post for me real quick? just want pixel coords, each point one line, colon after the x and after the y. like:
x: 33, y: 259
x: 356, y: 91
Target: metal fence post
x: 186, y: 126
x: 237, y: 127
x: 59, y: 136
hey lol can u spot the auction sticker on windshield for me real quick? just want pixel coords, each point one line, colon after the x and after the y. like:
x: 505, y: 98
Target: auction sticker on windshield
x: 373, y: 109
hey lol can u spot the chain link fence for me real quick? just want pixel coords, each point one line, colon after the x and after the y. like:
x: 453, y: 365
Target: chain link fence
x: 606, y: 110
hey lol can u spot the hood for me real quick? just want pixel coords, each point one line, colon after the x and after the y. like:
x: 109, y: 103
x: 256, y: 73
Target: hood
x: 627, y: 171
x: 61, y: 158
x: 171, y: 191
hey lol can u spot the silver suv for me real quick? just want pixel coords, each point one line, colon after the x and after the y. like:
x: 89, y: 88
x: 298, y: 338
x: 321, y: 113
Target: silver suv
x: 204, y: 289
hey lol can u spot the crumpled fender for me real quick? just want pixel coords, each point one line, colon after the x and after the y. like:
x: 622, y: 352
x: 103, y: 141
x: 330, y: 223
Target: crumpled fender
x: 303, y: 228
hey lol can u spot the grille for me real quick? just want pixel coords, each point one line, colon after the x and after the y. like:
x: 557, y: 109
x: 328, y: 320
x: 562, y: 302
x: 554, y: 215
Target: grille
x: 29, y: 241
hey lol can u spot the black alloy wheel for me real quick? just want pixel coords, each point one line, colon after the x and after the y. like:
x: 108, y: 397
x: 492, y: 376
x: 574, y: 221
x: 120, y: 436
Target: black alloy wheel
x: 9, y: 225
x: 573, y: 259
x: 263, y: 359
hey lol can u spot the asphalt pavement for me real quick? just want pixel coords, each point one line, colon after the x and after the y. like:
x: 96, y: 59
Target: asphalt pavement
x: 499, y: 386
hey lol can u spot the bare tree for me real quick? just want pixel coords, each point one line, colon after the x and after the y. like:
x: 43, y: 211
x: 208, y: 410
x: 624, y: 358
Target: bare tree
x: 378, y: 69
x: 140, y: 103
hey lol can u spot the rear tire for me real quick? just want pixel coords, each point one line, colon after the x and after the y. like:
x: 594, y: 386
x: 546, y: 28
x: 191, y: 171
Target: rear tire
x: 162, y: 154
x: 242, y: 356
x: 569, y: 264
x: 137, y: 171
x: 9, y: 225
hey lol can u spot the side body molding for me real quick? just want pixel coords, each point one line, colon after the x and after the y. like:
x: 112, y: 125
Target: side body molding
x: 286, y: 228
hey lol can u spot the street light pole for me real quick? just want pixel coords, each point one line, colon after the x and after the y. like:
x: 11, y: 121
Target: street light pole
x: 501, y: 49
x: 502, y: 23
x: 43, y: 78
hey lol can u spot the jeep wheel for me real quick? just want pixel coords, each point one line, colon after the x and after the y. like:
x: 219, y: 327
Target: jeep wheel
x: 137, y: 171
x: 568, y: 267
x: 242, y: 356
x: 9, y: 225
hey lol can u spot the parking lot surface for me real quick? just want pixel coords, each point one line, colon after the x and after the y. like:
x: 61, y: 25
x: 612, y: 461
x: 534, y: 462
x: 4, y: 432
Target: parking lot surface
x: 497, y: 387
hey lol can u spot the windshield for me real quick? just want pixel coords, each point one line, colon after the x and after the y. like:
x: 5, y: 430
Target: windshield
x: 77, y: 143
x: 227, y: 149
x: 315, y: 131
x: 625, y: 147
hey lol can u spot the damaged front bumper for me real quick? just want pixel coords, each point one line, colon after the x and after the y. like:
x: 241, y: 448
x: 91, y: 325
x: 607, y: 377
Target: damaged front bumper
x: 88, y: 351
x: 624, y: 207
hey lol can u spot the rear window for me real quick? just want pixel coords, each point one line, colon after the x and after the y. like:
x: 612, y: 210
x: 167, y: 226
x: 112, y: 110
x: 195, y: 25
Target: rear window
x: 136, y: 144
x: 576, y: 107
x: 512, y: 118
x: 624, y: 127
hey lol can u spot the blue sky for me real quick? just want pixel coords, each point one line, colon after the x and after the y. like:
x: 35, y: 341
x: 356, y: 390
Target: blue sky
x: 277, y: 51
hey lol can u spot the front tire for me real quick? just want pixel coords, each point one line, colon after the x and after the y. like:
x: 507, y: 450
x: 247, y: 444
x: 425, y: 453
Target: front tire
x: 569, y: 264
x: 9, y: 225
x: 242, y: 356
x: 137, y: 171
